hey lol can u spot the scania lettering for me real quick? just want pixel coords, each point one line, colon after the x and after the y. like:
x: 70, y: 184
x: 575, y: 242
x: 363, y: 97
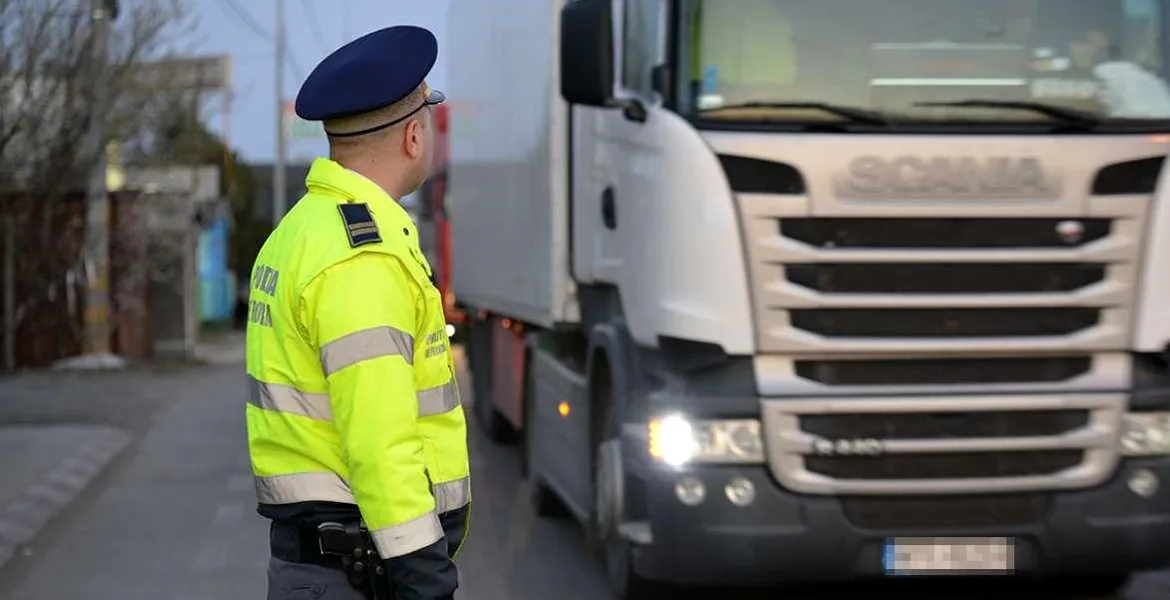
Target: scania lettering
x: 989, y: 177
x: 791, y: 290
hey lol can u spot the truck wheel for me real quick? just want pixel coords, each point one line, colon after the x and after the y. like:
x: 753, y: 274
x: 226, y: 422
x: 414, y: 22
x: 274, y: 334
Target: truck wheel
x: 544, y: 501
x: 609, y: 484
x: 479, y: 354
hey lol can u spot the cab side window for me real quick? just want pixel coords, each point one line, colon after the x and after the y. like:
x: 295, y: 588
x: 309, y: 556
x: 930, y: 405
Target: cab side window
x: 641, y: 40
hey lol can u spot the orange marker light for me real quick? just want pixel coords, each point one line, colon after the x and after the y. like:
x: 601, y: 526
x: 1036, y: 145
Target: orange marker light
x: 563, y: 408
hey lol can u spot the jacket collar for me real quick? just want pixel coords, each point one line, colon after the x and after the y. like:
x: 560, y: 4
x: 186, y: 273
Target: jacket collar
x: 328, y: 178
x: 331, y: 179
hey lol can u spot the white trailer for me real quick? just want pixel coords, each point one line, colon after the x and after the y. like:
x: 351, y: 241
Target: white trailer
x: 770, y: 286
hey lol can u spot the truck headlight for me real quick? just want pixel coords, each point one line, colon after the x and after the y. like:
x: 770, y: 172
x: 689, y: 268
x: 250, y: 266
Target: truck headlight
x: 1145, y: 434
x: 676, y: 440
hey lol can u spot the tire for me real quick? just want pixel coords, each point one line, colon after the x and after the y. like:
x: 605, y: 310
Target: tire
x: 541, y: 498
x: 616, y: 551
x: 491, y: 423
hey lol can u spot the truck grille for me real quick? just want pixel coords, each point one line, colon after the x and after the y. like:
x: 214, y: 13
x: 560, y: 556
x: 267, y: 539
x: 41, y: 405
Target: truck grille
x: 929, y: 285
x: 944, y: 278
x: 948, y: 465
x: 936, y: 233
x: 917, y: 338
x: 946, y: 323
x: 945, y: 425
x: 942, y: 444
x: 943, y: 371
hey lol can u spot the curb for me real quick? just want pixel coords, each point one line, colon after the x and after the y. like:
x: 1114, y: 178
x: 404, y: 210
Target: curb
x: 27, y: 514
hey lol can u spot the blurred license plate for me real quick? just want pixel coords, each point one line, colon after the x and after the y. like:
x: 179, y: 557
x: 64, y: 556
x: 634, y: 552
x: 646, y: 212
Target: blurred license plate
x: 948, y: 556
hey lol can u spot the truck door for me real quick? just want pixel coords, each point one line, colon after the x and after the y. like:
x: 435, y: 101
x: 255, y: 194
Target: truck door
x: 616, y: 157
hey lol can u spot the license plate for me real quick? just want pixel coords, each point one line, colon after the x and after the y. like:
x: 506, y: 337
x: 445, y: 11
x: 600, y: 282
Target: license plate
x: 949, y: 556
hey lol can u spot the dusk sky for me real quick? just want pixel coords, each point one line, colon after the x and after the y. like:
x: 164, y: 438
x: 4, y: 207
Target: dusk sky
x: 315, y: 28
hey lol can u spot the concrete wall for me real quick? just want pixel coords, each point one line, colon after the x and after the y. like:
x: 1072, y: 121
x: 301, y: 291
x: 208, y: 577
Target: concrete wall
x: 175, y: 195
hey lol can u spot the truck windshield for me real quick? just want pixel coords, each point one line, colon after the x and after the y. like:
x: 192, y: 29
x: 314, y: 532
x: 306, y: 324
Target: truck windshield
x: 961, y: 61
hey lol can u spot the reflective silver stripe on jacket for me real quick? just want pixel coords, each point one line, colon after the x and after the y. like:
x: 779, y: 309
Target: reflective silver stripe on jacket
x: 284, y: 398
x: 407, y: 537
x: 364, y: 345
x: 329, y: 487
x: 438, y: 400
x: 303, y: 487
x: 451, y: 495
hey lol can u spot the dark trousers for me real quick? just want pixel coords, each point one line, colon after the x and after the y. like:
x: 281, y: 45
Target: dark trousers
x: 306, y: 581
x: 293, y: 581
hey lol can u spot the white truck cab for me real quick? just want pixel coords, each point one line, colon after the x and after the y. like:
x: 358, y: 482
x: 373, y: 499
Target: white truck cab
x: 782, y: 290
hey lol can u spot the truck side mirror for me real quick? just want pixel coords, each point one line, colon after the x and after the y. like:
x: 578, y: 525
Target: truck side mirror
x: 587, y: 69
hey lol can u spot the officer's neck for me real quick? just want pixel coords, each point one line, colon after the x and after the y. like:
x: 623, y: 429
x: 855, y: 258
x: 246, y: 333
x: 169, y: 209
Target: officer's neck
x: 386, y: 177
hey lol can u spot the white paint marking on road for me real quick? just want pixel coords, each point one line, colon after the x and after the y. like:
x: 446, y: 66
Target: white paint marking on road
x: 240, y: 483
x: 212, y: 557
x: 229, y: 514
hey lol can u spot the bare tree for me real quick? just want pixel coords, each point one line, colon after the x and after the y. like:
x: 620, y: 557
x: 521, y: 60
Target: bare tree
x: 47, y: 76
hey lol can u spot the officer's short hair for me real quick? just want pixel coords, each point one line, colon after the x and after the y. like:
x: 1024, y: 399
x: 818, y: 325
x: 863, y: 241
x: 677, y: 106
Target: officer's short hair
x: 412, y: 102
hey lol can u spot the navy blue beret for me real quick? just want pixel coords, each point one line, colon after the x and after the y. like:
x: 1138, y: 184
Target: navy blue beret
x: 371, y: 72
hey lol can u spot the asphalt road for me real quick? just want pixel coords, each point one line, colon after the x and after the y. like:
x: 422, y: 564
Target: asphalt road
x: 173, y: 520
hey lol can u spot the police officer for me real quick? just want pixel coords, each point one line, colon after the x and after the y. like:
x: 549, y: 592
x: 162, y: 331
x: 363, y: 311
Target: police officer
x: 356, y: 434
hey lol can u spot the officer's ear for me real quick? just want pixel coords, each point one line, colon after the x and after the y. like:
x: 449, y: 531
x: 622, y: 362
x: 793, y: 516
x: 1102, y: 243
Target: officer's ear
x: 412, y: 140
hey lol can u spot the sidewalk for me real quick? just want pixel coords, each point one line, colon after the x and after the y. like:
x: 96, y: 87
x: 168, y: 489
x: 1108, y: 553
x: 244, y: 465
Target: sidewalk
x: 45, y: 469
x: 173, y: 519
x: 60, y: 430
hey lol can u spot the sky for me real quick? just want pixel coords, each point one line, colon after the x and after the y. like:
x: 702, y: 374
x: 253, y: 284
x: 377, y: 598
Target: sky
x: 314, y: 28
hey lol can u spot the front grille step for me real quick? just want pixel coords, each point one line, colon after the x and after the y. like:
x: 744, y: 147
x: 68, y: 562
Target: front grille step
x: 945, y: 425
x: 951, y: 512
x: 944, y: 278
x: 958, y: 465
x: 945, y: 322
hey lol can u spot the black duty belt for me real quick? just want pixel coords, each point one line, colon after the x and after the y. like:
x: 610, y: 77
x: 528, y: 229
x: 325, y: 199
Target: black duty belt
x: 300, y: 543
x: 337, y: 545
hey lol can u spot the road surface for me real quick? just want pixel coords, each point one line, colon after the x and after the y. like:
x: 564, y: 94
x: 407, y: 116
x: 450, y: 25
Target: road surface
x: 173, y: 518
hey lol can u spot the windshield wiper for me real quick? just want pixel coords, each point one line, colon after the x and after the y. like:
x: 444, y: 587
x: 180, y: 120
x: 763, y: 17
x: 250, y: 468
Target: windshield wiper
x: 856, y: 115
x: 1068, y: 115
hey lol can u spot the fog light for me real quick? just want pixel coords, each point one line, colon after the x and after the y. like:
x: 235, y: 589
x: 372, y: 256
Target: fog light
x: 1143, y: 482
x: 690, y: 491
x: 740, y: 492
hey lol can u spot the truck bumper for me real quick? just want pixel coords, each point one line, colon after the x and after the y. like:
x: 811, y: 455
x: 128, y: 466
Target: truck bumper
x: 783, y: 537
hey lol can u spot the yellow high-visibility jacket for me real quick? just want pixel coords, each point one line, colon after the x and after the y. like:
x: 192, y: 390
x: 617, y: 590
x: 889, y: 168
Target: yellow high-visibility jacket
x: 353, y: 397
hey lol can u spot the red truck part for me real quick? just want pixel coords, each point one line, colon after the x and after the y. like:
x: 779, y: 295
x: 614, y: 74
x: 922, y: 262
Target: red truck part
x: 434, y: 197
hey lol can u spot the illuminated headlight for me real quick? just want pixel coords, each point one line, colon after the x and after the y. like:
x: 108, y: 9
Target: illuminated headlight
x: 1145, y: 434
x: 676, y: 441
